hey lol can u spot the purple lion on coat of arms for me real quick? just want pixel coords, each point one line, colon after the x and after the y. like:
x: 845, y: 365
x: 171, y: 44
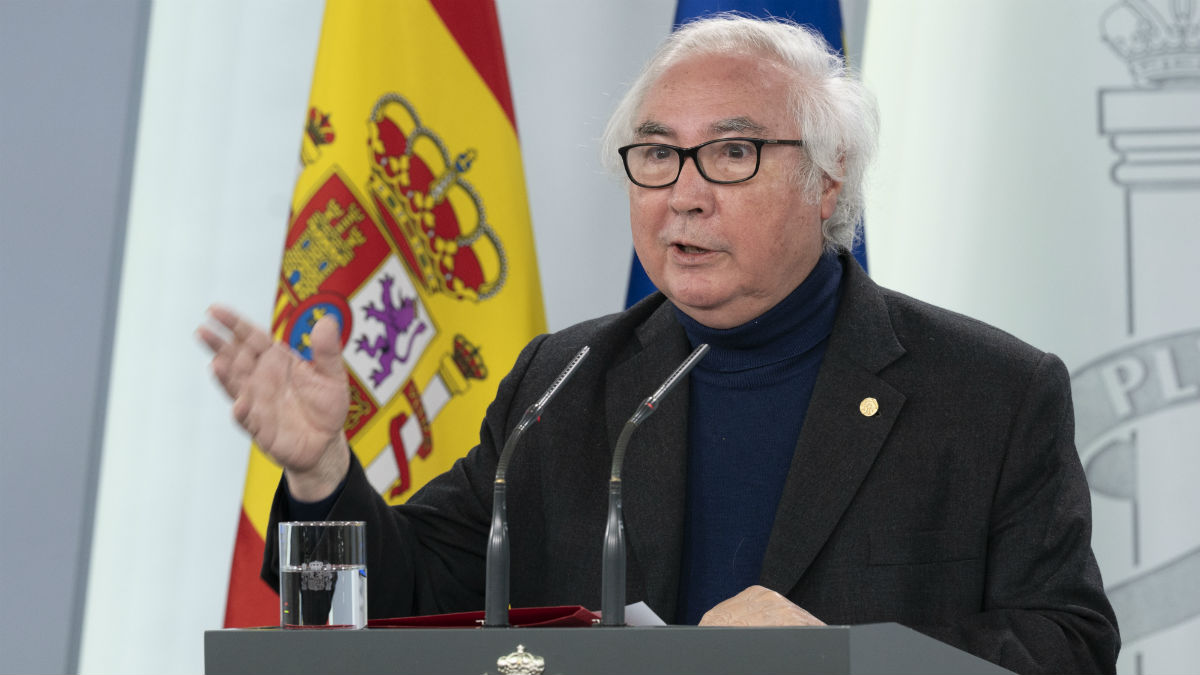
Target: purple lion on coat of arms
x: 397, y: 323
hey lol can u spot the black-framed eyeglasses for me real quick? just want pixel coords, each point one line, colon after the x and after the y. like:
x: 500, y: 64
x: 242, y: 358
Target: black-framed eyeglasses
x: 722, y: 160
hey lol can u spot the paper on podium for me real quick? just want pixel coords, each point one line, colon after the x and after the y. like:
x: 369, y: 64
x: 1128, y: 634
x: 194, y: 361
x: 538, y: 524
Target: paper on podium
x: 640, y: 614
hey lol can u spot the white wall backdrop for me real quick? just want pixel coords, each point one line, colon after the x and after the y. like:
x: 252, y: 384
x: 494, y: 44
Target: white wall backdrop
x: 213, y: 174
x: 1027, y: 178
x: 226, y: 89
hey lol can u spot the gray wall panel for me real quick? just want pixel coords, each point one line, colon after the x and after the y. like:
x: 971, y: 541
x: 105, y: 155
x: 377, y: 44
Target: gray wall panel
x: 70, y: 82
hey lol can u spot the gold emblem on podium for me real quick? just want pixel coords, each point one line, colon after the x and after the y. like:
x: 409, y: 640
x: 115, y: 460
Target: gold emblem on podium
x: 521, y: 662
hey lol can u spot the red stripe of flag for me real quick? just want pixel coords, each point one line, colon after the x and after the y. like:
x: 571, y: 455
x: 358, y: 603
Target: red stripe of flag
x: 251, y: 601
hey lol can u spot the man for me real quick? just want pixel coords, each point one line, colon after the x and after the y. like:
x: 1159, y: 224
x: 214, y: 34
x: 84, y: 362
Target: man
x: 844, y: 454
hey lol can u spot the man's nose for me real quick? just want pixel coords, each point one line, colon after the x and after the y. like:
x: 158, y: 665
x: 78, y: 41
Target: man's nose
x: 691, y: 193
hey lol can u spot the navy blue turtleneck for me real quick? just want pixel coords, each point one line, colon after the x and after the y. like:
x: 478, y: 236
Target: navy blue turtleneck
x: 748, y: 398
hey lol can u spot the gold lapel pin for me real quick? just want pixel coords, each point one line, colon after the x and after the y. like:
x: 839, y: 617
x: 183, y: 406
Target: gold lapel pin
x: 868, y: 407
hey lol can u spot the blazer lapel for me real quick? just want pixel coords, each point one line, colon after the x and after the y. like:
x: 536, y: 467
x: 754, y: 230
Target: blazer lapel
x: 841, y: 436
x: 655, y: 470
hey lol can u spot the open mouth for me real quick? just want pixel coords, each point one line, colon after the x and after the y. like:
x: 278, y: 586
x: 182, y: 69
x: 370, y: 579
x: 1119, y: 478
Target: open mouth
x: 686, y: 248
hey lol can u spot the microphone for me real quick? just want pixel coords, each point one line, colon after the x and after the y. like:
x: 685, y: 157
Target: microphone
x: 497, y: 577
x: 612, y: 591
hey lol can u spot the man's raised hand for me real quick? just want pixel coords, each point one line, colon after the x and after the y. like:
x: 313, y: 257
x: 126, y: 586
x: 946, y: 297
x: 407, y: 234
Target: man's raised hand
x: 293, y: 408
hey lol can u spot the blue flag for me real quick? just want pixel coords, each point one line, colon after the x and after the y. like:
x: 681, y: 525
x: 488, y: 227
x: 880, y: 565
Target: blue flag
x: 823, y: 15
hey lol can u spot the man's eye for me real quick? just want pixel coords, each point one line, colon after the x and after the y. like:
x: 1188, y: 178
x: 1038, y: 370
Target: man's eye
x: 736, y: 150
x: 658, y: 153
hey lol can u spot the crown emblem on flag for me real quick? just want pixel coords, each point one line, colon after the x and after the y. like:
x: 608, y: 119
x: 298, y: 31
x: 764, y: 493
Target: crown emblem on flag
x: 318, y: 131
x: 1160, y: 39
x: 467, y: 359
x: 438, y: 217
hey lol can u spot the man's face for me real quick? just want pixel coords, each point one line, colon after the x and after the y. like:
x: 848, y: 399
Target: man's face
x: 724, y: 254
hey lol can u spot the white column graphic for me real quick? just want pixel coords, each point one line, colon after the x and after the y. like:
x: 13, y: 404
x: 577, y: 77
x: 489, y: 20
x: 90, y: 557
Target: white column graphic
x: 1138, y: 406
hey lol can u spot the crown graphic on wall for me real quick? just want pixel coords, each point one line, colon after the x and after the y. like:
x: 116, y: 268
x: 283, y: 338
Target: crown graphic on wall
x: 1160, y: 39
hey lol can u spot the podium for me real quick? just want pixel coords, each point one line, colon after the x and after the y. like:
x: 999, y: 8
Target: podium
x: 879, y: 649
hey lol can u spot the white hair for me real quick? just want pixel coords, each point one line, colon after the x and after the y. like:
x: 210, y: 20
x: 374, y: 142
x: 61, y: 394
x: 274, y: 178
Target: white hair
x: 836, y: 115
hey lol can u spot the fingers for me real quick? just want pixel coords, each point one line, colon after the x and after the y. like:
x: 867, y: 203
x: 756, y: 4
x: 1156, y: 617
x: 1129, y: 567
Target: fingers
x: 211, y: 339
x: 244, y: 332
x: 241, y: 413
x: 260, y: 389
x: 235, y: 356
x: 240, y: 366
x: 759, y: 606
x: 327, y: 346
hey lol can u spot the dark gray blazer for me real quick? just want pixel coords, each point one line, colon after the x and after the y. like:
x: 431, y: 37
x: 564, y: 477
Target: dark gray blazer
x: 959, y: 508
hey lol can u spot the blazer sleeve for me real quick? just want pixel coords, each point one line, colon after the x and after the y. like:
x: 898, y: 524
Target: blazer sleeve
x: 1045, y: 609
x: 426, y: 556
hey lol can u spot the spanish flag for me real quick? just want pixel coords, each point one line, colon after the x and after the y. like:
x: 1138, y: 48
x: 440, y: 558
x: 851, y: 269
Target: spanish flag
x: 410, y: 224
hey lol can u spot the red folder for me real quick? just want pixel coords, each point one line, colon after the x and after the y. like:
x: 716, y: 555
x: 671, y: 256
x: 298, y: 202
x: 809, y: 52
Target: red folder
x: 570, y: 616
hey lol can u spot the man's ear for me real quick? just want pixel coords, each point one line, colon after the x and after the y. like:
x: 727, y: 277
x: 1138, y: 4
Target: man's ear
x: 829, y: 195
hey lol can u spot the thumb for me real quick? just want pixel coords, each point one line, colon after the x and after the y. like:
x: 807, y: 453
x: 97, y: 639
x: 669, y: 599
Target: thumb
x: 327, y: 346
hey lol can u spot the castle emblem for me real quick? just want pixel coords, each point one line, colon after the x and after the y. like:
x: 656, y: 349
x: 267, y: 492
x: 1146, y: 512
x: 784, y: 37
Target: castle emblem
x: 327, y: 243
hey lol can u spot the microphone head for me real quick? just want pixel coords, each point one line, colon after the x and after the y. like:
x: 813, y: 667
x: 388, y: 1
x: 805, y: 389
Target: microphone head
x: 683, y: 369
x: 534, y: 412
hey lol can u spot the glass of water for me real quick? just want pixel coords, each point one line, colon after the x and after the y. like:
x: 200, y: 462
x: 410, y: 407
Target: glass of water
x: 323, y: 574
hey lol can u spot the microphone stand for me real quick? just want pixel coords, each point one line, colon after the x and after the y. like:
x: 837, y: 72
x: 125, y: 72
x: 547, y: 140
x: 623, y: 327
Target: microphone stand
x: 497, y: 573
x: 612, y: 592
